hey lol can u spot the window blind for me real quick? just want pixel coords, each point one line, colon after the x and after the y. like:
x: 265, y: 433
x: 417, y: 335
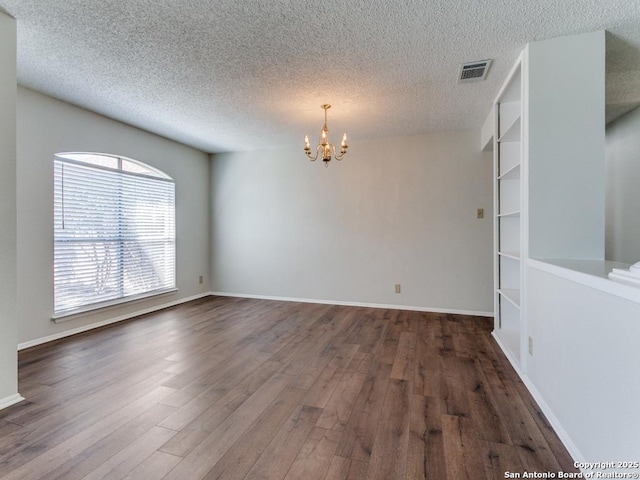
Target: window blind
x: 114, y: 234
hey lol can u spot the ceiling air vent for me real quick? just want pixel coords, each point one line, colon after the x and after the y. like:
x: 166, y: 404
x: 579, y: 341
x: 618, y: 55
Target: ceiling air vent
x: 473, y: 71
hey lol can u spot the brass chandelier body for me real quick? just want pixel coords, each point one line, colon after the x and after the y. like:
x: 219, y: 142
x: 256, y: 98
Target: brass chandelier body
x: 325, y: 149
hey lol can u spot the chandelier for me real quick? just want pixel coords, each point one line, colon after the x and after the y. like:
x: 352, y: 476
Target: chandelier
x: 326, y: 148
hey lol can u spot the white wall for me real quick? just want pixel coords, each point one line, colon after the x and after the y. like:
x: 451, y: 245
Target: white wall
x: 566, y: 146
x: 585, y: 362
x: 47, y: 126
x: 8, y: 355
x: 623, y: 188
x: 396, y: 210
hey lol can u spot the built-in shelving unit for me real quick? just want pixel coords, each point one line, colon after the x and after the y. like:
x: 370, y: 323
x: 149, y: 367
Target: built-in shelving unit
x: 548, y: 170
x: 508, y: 198
x: 554, y: 304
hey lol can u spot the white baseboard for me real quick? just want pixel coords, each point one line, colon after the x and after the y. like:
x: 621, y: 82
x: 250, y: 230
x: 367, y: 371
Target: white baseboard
x: 85, y: 328
x: 10, y: 400
x: 546, y: 409
x: 355, y: 304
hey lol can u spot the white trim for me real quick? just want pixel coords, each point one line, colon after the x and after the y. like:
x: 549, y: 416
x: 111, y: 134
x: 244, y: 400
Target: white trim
x: 546, y: 409
x: 84, y: 163
x: 355, y: 304
x: 85, y: 328
x: 10, y: 400
x: 65, y: 316
x: 590, y: 280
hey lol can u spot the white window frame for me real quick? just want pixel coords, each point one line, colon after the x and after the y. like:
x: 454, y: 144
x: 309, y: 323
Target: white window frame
x: 145, y: 194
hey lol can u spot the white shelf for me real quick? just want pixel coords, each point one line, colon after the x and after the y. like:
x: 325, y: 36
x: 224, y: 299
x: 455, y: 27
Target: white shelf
x: 512, y: 89
x: 512, y: 173
x: 512, y: 255
x: 508, y: 242
x: 510, y: 155
x: 515, y: 213
x: 509, y: 235
x: 486, y: 134
x: 511, y: 133
x: 509, y: 191
x: 511, y: 294
x: 510, y: 327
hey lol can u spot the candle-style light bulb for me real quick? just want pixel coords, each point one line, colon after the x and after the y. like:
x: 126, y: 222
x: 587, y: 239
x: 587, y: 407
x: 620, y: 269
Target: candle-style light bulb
x: 306, y: 142
x: 344, y: 140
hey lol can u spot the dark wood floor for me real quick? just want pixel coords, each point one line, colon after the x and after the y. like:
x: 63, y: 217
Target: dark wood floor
x: 256, y: 389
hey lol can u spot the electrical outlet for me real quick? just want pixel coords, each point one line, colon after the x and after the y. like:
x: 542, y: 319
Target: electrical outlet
x: 480, y: 213
x: 530, y: 346
x: 201, y: 279
x: 397, y: 288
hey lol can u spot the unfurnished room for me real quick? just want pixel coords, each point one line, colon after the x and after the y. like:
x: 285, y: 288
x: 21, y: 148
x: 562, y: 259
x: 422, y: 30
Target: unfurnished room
x: 319, y: 240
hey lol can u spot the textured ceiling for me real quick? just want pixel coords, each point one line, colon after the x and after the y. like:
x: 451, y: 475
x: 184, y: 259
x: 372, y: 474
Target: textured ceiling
x: 224, y: 75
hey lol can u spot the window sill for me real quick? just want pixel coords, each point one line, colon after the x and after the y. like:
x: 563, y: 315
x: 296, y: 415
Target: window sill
x: 76, y: 312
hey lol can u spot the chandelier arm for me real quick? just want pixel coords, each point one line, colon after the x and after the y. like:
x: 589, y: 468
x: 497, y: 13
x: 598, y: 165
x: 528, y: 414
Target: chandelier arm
x: 315, y: 157
x: 341, y: 155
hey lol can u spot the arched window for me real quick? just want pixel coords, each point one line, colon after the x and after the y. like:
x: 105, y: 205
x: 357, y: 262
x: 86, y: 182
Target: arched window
x: 114, y: 231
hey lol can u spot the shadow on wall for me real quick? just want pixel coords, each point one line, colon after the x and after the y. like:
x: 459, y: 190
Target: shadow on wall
x: 622, y: 240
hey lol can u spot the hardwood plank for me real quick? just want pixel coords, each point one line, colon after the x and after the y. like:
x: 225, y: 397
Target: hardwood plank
x: 154, y: 467
x: 482, y: 407
x: 217, y: 388
x: 403, y: 363
x: 389, y: 345
x: 204, y: 457
x: 239, y: 459
x: 129, y: 458
x: 100, y: 452
x: 275, y: 461
x: 448, y: 345
x: 81, y: 397
x: 184, y: 441
x: 210, y: 419
x: 428, y: 367
x: 338, y: 409
x: 291, y: 323
x: 389, y: 454
x: 314, y: 458
x: 562, y: 455
x: 359, y: 433
x: 417, y: 448
x: 498, y: 459
x: 453, y: 396
x: 338, y: 469
x: 329, y: 330
x: 357, y: 470
x: 435, y: 467
x: 372, y: 336
x: 68, y: 419
x: 8, y: 428
x: 462, y: 458
x: 58, y: 453
x: 533, y: 450
x: 237, y: 384
x: 320, y: 392
x: 314, y: 367
x: 346, y: 469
